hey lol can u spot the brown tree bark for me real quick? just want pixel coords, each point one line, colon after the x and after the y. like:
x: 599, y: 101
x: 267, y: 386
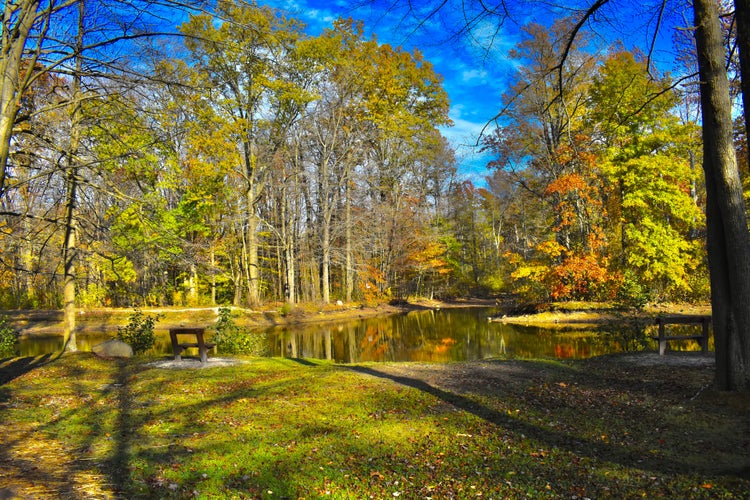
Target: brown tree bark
x: 728, y: 237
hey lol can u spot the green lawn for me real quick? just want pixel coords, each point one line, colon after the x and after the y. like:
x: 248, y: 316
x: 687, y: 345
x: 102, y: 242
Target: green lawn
x: 81, y: 427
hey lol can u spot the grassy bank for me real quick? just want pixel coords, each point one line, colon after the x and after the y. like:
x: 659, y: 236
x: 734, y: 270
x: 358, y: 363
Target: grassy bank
x: 81, y: 427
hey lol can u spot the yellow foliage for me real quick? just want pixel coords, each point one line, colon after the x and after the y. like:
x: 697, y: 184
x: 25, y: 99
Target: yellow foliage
x: 551, y: 249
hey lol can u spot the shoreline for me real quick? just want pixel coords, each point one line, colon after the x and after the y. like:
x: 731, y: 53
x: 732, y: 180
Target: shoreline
x: 594, y: 317
x: 48, y: 322
x: 30, y: 323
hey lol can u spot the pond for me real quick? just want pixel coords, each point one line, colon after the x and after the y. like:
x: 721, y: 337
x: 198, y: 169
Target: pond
x: 433, y: 335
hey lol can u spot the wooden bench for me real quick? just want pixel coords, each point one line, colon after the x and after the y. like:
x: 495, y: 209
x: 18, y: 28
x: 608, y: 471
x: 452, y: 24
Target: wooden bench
x: 200, y: 343
x: 663, y: 338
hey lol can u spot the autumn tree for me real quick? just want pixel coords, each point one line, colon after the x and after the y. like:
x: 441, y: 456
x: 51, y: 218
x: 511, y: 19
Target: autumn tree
x: 646, y: 164
x: 406, y: 102
x: 726, y: 219
x: 335, y: 131
x: 543, y: 146
x: 236, y: 65
x: 72, y: 40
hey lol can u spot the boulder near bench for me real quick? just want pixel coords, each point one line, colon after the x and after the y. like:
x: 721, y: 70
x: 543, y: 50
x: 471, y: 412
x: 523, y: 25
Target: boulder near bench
x: 200, y: 343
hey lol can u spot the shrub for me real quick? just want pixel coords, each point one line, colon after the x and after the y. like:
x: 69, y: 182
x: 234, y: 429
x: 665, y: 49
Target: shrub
x: 231, y: 339
x: 286, y: 309
x: 8, y: 338
x: 139, y: 332
x: 631, y: 293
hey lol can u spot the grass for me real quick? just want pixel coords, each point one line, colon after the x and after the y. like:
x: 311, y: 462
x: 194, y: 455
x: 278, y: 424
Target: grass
x: 77, y: 427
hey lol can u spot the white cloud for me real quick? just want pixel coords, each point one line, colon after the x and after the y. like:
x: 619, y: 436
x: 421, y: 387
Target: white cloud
x: 473, y: 75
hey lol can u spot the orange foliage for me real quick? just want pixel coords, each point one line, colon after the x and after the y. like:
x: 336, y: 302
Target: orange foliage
x: 372, y: 283
x: 579, y: 277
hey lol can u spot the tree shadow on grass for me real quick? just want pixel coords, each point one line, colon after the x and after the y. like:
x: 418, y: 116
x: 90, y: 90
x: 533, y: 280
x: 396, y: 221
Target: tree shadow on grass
x: 117, y: 465
x: 12, y: 368
x: 569, y: 439
x: 41, y: 468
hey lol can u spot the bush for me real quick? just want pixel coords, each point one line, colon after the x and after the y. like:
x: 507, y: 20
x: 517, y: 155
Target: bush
x: 631, y: 293
x: 231, y: 339
x: 8, y: 338
x: 139, y: 332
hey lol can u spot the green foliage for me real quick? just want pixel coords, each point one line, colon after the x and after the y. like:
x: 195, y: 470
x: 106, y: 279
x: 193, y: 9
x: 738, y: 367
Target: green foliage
x: 494, y: 283
x: 94, y: 295
x: 8, y: 338
x: 231, y: 339
x: 285, y: 309
x: 631, y: 293
x: 139, y: 332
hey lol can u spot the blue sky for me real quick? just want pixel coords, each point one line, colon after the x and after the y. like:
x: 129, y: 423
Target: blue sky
x: 474, y: 77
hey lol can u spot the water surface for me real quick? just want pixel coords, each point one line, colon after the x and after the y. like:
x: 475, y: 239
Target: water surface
x: 434, y: 335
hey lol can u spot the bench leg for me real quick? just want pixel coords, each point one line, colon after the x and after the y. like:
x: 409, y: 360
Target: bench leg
x: 662, y: 339
x: 203, y: 353
x: 704, y: 339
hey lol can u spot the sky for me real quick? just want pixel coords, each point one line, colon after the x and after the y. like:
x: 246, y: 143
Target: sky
x: 475, y: 65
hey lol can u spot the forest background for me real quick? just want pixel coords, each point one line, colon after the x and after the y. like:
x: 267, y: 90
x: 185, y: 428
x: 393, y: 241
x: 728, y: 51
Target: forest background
x: 242, y: 161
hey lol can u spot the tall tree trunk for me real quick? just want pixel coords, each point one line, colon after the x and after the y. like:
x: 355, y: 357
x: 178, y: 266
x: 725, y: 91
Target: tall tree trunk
x: 253, y: 267
x: 193, y: 285
x: 291, y: 292
x: 213, y: 274
x: 72, y: 165
x: 252, y: 222
x: 326, y: 210
x: 728, y: 237
x: 69, y: 257
x: 325, y: 280
x: 287, y: 242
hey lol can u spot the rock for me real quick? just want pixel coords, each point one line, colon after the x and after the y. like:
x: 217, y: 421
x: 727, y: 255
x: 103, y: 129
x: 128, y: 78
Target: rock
x: 113, y: 348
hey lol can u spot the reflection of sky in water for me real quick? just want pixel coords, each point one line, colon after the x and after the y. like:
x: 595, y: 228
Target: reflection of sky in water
x: 431, y: 336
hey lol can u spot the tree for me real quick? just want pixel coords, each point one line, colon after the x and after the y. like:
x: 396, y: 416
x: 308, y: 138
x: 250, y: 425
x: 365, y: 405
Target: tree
x: 406, y: 101
x: 336, y: 126
x: 726, y: 220
x: 727, y: 232
x: 38, y: 38
x: 69, y: 39
x: 646, y: 164
x: 237, y: 67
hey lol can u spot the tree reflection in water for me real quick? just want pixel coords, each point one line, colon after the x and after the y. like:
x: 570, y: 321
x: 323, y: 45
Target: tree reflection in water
x: 454, y: 335
x: 431, y: 336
